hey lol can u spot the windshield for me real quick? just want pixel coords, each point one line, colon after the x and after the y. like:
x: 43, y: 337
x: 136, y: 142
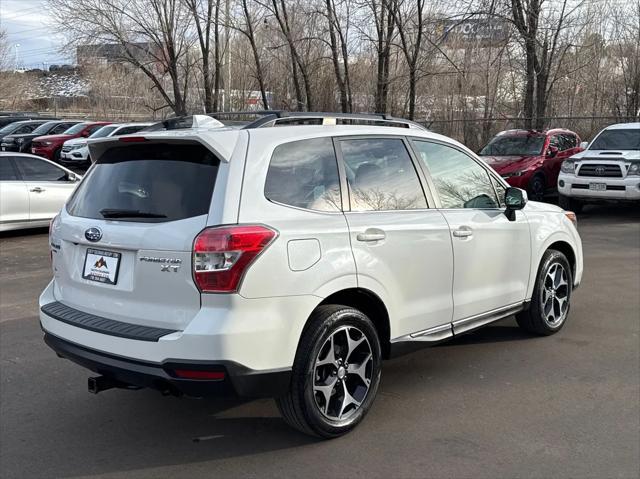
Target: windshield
x: 104, y: 131
x: 148, y: 183
x: 617, y: 140
x: 9, y: 128
x: 44, y: 128
x: 75, y: 129
x: 520, y: 145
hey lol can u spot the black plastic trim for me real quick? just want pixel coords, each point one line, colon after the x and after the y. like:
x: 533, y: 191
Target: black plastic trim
x: 239, y: 381
x: 102, y: 325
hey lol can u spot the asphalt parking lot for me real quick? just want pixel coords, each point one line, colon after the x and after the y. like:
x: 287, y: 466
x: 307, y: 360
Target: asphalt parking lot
x: 496, y: 403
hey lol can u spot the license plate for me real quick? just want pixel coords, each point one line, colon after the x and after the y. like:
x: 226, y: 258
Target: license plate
x: 598, y: 186
x: 4, y: 149
x: 101, y: 266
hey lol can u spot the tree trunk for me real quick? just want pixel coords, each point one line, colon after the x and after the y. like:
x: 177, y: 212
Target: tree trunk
x: 335, y: 58
x: 256, y: 55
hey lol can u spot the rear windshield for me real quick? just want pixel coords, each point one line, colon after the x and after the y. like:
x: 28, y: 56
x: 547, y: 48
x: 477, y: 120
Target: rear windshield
x: 520, y: 145
x: 147, y: 183
x: 617, y: 140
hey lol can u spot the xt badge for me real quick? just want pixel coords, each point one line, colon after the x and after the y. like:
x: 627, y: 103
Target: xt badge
x: 169, y: 265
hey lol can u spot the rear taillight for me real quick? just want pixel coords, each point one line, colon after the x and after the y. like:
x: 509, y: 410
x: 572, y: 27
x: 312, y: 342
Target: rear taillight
x: 221, y: 255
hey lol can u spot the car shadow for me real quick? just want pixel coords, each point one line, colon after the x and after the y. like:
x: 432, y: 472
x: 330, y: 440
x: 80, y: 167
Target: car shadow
x: 121, y: 431
x: 24, y: 232
x: 609, y: 211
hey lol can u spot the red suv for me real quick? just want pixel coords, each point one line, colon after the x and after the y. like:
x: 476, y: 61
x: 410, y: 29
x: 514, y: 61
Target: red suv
x: 50, y: 146
x: 531, y: 159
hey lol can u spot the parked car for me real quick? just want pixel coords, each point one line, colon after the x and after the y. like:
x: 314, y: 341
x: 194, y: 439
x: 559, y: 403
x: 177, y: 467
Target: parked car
x: 32, y: 190
x: 19, y: 127
x: 531, y: 159
x: 288, y: 262
x: 608, y: 170
x: 7, y: 120
x: 76, y: 151
x: 50, y: 146
x: 22, y: 142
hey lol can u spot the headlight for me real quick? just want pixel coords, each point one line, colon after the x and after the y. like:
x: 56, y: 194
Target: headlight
x: 75, y: 147
x: 47, y: 143
x: 634, y: 169
x: 568, y: 166
x: 513, y: 173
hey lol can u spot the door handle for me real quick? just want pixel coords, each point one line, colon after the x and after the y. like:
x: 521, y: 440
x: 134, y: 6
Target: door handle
x: 370, y: 235
x: 37, y: 189
x: 463, y: 232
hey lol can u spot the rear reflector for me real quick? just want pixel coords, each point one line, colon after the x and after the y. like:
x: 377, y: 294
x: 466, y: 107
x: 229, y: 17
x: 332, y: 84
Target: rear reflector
x: 197, y: 374
x: 133, y: 139
x: 221, y: 255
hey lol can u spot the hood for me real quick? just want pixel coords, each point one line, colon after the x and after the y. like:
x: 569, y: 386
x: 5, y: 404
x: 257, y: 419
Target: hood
x: 26, y: 136
x: 54, y: 138
x: 541, y: 207
x: 75, y: 141
x: 611, y: 155
x: 507, y: 163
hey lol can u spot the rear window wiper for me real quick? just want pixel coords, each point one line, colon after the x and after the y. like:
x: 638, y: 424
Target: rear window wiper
x: 122, y: 213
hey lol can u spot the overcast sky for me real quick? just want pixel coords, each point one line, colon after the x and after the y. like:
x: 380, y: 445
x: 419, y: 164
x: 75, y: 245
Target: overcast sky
x: 27, y: 24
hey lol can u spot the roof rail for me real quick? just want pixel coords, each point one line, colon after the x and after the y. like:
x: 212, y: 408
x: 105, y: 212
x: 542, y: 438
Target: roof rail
x: 270, y: 118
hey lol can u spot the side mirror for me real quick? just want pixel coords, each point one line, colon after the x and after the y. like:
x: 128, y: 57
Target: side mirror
x: 584, y: 145
x: 86, y: 134
x: 72, y: 177
x: 515, y: 199
x: 552, y: 151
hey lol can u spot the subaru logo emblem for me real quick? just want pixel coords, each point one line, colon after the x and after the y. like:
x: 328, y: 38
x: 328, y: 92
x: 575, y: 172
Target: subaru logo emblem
x: 600, y: 170
x: 93, y: 234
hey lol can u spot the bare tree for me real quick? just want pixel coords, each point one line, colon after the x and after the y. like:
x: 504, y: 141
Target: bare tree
x: 339, y: 51
x: 247, y: 27
x: 152, y: 35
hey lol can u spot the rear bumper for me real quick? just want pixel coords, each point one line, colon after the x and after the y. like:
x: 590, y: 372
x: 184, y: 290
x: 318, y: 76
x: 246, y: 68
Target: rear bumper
x: 625, y: 189
x: 238, y: 381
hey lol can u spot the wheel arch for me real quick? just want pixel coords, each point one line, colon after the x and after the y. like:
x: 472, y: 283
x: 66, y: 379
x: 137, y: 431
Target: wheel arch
x: 566, y: 249
x: 370, y: 304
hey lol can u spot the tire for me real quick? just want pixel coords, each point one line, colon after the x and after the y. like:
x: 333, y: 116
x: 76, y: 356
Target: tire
x: 569, y: 204
x: 536, y: 188
x: 316, y: 403
x: 551, y: 299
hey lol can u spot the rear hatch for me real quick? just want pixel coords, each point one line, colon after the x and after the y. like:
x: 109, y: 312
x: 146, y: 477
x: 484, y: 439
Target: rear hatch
x: 122, y: 246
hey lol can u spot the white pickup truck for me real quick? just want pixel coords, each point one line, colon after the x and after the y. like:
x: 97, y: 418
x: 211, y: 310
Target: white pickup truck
x: 609, y: 169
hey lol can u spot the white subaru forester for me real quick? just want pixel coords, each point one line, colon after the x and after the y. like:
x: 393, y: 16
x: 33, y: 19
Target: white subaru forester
x: 286, y: 260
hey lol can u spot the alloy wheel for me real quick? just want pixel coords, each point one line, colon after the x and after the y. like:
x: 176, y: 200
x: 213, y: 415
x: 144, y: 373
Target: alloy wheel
x: 342, y: 373
x: 555, y: 295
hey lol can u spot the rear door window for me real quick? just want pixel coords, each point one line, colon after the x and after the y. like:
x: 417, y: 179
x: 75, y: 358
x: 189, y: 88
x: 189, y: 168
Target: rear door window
x: 148, y: 183
x: 381, y: 175
x: 304, y: 174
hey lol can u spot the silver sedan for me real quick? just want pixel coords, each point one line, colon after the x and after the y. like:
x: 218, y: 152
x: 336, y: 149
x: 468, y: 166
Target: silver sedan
x: 32, y: 190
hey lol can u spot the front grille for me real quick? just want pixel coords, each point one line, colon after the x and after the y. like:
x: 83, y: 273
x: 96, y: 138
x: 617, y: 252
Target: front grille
x: 602, y: 171
x: 609, y: 187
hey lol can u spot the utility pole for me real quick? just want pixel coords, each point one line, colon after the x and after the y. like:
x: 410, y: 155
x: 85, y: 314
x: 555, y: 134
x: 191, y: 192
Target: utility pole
x: 17, y: 45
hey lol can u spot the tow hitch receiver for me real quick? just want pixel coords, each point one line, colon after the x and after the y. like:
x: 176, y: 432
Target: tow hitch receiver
x: 102, y: 383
